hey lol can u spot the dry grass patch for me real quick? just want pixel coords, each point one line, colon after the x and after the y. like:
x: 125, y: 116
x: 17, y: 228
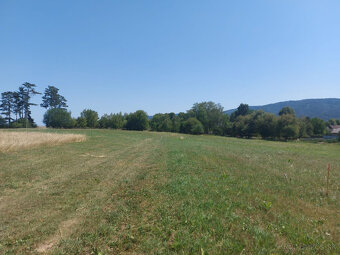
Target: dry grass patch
x: 64, y: 230
x: 13, y: 141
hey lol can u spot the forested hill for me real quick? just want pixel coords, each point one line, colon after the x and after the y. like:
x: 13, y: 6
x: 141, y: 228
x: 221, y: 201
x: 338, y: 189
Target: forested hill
x: 325, y: 109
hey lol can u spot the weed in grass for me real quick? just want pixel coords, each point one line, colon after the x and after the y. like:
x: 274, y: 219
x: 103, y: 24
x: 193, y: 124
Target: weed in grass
x: 266, y: 205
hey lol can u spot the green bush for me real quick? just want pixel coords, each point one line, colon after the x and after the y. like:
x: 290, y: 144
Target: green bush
x: 2, y: 122
x: 23, y: 123
x: 137, y: 121
x: 161, y: 123
x: 210, y: 115
x: 288, y: 126
x: 306, y: 128
x: 59, y: 118
x: 192, y: 126
x: 114, y: 121
x: 91, y: 118
x: 319, y: 126
x: 266, y: 125
x: 290, y: 131
x: 16, y: 124
x: 167, y: 122
x: 81, y: 122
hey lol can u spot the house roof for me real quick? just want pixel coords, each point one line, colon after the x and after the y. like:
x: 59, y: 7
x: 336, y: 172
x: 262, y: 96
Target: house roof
x: 335, y: 129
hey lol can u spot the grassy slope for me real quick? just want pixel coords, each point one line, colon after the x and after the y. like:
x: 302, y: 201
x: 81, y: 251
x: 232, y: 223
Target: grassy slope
x: 155, y: 193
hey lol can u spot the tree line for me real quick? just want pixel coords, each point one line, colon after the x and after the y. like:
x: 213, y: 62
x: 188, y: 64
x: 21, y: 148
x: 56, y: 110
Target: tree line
x: 202, y: 118
x: 209, y: 118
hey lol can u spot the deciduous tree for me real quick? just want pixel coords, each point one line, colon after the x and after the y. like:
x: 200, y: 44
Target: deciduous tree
x: 288, y: 127
x: 287, y: 110
x: 242, y: 110
x: 91, y: 118
x: 319, y: 126
x: 137, y: 121
x: 58, y: 118
x: 210, y: 115
x: 192, y: 126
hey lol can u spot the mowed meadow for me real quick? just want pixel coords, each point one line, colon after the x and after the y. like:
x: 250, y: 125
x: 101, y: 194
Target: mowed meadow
x: 127, y: 192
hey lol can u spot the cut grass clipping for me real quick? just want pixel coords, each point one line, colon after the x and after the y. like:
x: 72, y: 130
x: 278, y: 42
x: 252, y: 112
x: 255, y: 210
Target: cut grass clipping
x: 13, y: 141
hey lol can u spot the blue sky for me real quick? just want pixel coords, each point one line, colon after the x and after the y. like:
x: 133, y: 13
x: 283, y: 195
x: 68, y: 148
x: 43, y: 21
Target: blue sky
x: 163, y: 56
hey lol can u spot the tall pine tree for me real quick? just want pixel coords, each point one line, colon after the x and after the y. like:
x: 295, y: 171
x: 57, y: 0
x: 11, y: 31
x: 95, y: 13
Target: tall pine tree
x: 28, y: 90
x: 7, y: 105
x: 17, y: 105
x: 52, y: 98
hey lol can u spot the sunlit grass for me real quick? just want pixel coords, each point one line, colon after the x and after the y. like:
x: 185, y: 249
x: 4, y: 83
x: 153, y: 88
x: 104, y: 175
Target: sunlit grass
x: 123, y: 192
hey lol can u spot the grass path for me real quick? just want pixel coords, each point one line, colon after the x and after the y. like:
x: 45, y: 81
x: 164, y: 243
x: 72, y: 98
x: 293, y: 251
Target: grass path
x: 156, y: 193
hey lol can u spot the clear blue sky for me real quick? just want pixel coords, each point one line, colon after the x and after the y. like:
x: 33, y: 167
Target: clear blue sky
x: 163, y: 56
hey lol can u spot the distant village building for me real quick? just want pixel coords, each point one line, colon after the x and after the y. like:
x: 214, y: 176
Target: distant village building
x: 335, y: 130
x: 332, y: 132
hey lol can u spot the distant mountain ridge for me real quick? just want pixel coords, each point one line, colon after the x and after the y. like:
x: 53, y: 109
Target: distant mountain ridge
x: 325, y: 109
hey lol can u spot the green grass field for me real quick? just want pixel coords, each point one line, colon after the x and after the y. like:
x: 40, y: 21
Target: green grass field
x: 126, y: 192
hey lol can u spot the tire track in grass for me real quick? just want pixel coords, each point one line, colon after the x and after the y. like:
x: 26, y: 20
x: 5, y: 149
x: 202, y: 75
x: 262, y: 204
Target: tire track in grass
x: 127, y: 168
